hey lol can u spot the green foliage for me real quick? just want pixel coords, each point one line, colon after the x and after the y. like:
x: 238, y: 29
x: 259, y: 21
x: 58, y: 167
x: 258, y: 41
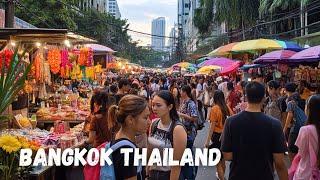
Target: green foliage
x: 47, y: 13
x: 203, y: 16
x: 12, y: 80
x: 237, y: 13
x: 271, y: 6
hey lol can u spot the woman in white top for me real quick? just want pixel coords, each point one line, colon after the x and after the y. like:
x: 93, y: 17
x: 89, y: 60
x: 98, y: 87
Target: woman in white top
x: 166, y: 132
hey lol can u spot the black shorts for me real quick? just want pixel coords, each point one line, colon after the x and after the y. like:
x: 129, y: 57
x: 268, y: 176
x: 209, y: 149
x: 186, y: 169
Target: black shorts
x: 291, y: 143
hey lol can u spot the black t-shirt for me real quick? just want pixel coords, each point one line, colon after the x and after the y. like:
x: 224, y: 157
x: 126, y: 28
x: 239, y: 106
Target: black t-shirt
x: 252, y: 137
x: 124, y: 172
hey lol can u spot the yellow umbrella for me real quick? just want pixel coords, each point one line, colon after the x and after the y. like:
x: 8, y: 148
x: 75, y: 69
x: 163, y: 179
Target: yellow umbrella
x: 183, y: 65
x: 257, y: 44
x: 208, y: 69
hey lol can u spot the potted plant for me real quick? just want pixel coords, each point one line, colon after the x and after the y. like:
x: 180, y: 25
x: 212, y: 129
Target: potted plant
x: 13, y: 74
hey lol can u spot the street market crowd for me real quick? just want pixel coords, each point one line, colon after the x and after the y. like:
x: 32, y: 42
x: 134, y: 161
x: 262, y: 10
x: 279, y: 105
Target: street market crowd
x: 257, y: 125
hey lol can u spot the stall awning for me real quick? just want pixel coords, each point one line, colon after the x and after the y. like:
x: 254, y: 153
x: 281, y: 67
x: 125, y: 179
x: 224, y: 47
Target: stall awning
x: 41, y: 34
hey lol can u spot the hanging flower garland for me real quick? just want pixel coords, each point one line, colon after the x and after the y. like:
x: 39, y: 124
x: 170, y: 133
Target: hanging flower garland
x: 65, y: 58
x: 6, y: 56
x: 54, y: 60
x: 90, y: 57
x: 37, y: 66
x: 83, y: 56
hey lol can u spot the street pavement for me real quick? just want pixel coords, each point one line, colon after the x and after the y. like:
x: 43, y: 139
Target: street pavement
x: 205, y: 173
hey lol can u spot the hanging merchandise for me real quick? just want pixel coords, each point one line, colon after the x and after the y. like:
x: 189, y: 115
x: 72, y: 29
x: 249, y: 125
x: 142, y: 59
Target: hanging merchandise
x: 65, y: 58
x: 90, y: 72
x: 75, y: 72
x: 6, y: 56
x: 54, y: 60
x: 38, y: 68
x: 46, y: 72
x: 90, y: 58
x: 83, y: 56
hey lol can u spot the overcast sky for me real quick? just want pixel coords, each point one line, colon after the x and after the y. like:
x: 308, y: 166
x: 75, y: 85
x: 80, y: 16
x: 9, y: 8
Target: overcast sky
x: 141, y: 12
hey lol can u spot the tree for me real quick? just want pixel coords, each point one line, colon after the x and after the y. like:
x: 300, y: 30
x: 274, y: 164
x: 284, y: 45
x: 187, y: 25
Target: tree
x: 271, y: 6
x: 204, y: 16
x: 46, y: 13
x: 238, y: 14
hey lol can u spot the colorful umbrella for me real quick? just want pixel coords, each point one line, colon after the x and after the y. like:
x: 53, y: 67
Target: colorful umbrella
x: 221, y: 61
x: 200, y: 60
x: 231, y: 69
x: 309, y: 55
x: 275, y: 57
x: 257, y: 44
x: 289, y: 45
x: 223, y: 50
x: 183, y: 65
x: 208, y: 69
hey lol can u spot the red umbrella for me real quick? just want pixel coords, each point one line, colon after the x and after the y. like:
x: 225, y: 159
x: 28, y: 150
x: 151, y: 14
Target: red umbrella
x: 231, y: 69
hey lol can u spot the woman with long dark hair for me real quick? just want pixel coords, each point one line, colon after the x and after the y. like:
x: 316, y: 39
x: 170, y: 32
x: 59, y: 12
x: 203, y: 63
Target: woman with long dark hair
x: 166, y: 132
x: 98, y: 130
x: 308, y: 143
x: 218, y: 115
x: 189, y: 115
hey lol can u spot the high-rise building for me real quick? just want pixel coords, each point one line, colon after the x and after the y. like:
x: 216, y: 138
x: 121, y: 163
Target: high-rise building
x: 173, y: 36
x: 113, y: 8
x: 103, y: 6
x: 158, y: 32
x: 183, y: 12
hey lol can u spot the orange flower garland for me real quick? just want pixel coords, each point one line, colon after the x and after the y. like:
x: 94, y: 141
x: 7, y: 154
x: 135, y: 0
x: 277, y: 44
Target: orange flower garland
x: 54, y: 60
x: 83, y: 57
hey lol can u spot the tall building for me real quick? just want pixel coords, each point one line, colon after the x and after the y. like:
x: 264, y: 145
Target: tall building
x: 190, y: 31
x: 103, y: 6
x: 183, y: 12
x: 158, y: 29
x: 171, y: 41
x: 113, y: 8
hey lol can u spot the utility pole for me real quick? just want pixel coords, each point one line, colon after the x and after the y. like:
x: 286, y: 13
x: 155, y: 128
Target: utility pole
x: 9, y: 14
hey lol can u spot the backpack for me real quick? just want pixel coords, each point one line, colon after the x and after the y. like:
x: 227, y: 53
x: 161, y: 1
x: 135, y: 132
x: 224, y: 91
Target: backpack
x: 107, y: 171
x: 93, y: 172
x: 154, y: 126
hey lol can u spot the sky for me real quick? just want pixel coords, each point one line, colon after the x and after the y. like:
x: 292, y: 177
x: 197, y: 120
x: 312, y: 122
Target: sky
x: 140, y: 14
